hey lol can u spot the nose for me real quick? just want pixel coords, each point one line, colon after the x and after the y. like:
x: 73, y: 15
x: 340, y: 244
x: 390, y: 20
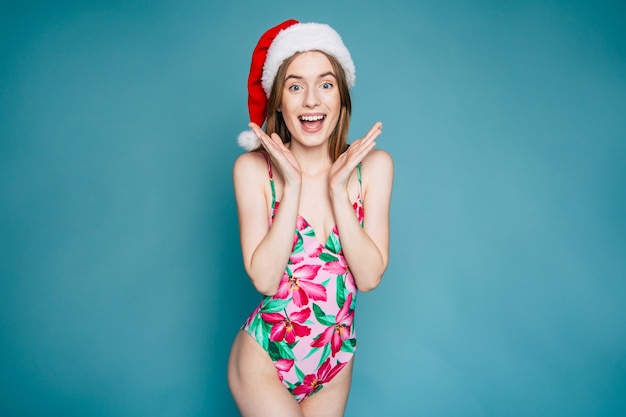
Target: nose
x: 311, y: 98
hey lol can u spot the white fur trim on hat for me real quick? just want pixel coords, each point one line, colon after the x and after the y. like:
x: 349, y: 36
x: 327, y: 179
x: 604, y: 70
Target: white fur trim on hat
x: 248, y: 140
x: 306, y: 37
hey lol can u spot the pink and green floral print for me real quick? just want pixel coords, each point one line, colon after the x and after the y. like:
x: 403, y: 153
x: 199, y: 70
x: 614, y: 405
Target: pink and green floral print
x: 307, y: 327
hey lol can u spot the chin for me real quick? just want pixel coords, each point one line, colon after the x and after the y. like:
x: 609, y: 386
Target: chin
x: 312, y: 140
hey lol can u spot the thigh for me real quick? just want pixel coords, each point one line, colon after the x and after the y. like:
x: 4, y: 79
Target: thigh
x: 254, y: 383
x: 331, y: 400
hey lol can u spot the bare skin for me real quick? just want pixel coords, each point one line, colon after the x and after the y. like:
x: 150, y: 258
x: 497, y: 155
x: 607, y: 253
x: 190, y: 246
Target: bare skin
x: 259, y: 393
x: 309, y: 184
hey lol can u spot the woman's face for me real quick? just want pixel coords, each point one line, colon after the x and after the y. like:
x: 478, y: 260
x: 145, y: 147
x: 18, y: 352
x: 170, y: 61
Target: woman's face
x: 310, y: 104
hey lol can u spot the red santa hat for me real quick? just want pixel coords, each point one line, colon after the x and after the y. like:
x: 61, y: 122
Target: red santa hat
x: 278, y: 44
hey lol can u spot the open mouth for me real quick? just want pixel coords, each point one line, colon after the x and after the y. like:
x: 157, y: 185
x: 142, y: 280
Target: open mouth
x: 312, y: 123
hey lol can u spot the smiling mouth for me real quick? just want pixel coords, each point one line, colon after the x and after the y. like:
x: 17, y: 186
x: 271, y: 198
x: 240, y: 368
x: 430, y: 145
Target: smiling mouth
x: 316, y: 118
x: 312, y: 123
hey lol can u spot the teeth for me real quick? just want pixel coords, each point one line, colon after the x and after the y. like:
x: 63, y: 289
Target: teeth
x: 311, y: 118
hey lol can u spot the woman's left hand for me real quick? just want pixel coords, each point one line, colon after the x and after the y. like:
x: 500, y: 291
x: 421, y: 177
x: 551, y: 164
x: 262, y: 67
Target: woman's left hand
x: 343, y: 167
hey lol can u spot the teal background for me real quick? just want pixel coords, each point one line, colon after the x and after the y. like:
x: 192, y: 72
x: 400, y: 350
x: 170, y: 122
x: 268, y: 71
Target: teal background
x: 121, y: 286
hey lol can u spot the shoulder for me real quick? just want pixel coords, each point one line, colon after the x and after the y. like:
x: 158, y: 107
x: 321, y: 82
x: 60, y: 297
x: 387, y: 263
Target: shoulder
x: 250, y: 163
x: 250, y: 172
x: 378, y: 162
x: 377, y: 174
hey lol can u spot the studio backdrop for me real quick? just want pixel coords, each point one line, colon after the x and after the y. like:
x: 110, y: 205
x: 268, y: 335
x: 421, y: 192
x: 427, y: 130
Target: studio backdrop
x: 121, y: 281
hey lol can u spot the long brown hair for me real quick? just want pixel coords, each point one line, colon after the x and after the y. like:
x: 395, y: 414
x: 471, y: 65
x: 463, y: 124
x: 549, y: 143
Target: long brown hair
x: 275, y: 123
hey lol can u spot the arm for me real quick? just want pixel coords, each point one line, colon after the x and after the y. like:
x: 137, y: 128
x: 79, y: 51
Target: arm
x: 265, y: 249
x: 366, y: 249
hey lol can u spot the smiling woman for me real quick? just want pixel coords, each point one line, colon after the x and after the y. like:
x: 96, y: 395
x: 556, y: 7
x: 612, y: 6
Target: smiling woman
x: 310, y: 103
x: 313, y: 187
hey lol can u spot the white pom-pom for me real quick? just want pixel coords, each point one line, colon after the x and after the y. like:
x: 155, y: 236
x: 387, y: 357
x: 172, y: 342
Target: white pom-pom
x: 248, y: 140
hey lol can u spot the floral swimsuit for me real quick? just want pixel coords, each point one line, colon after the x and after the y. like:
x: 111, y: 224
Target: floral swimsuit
x: 307, y: 327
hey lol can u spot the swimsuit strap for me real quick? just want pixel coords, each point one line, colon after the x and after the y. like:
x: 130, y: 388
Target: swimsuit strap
x: 271, y: 175
x: 269, y: 165
x: 358, y: 175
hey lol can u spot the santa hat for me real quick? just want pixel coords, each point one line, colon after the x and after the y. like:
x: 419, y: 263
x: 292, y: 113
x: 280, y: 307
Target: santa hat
x: 278, y: 44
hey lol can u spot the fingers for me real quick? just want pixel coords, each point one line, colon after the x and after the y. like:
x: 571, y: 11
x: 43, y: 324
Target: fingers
x: 280, y: 155
x: 358, y: 153
x: 376, y: 129
x: 373, y: 132
x: 272, y: 144
x: 260, y: 134
x: 369, y: 137
x: 361, y: 147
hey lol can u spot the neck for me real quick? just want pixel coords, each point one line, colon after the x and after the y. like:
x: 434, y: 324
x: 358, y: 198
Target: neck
x: 312, y: 160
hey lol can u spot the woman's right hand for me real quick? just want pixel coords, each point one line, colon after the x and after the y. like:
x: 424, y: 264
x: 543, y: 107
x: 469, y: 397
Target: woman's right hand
x: 280, y: 155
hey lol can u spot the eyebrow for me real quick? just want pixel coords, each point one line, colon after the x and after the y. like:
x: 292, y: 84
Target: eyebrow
x: 298, y: 77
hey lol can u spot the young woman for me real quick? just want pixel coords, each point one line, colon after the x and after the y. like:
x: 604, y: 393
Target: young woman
x: 314, y: 225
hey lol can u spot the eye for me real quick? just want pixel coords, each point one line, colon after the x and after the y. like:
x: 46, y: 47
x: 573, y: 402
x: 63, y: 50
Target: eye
x: 294, y: 87
x: 327, y: 85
